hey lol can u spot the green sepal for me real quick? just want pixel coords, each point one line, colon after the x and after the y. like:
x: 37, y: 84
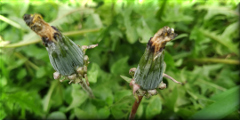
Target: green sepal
x: 65, y: 56
x: 150, y: 70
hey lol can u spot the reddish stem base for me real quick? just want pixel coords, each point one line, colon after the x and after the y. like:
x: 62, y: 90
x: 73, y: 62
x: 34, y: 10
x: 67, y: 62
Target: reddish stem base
x: 135, y: 107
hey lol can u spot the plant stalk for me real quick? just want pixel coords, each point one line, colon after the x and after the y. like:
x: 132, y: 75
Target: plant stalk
x: 135, y: 107
x: 216, y: 60
x: 86, y: 88
x: 19, y: 44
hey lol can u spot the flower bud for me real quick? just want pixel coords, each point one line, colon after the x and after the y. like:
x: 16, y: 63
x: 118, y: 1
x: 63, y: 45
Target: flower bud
x: 152, y: 92
x: 132, y: 71
x: 56, y: 75
x: 80, y: 70
x: 72, y: 77
x: 162, y: 85
x: 135, y: 88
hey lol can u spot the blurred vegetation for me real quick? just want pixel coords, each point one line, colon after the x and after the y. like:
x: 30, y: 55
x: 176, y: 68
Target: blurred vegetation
x: 205, y: 56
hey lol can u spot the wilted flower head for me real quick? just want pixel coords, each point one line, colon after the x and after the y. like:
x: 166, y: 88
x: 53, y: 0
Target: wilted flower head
x: 65, y: 56
x: 150, y: 69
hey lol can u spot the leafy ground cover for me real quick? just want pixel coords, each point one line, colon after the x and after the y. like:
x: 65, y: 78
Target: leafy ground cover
x: 204, y: 56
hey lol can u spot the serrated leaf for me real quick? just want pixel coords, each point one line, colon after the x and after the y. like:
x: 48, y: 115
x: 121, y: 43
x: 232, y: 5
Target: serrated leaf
x: 226, y: 103
x: 130, y: 32
x: 224, y: 41
x: 145, y: 32
x: 231, y: 29
x: 19, y: 99
x: 215, y: 10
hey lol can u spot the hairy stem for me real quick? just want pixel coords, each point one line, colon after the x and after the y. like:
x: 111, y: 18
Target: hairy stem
x: 86, y: 88
x: 135, y: 107
x: 169, y: 77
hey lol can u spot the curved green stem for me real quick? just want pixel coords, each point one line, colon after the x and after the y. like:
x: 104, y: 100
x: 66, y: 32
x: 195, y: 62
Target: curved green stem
x: 14, y: 24
x: 20, y: 56
x: 81, y: 32
x: 217, y: 60
x: 19, y: 44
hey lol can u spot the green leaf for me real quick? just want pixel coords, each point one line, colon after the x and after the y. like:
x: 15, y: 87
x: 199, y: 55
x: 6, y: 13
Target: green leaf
x: 57, y: 115
x: 3, y: 81
x: 154, y: 107
x: 145, y: 32
x: 130, y: 32
x: 103, y: 113
x: 226, y: 103
x: 126, y: 78
x: 57, y: 97
x: 214, y: 10
x: 97, y: 20
x: 230, y: 30
x: 91, y: 110
x: 22, y: 73
x: 2, y: 27
x: 122, y: 107
x: 227, y: 42
x: 2, y: 113
x: 120, y: 66
x: 118, y: 113
x: 121, y: 94
x: 40, y: 72
x: 80, y: 114
x: 47, y: 98
x: 103, y: 93
x: 180, y: 36
x: 140, y: 111
x: 19, y: 98
x: 168, y: 59
x: 67, y: 95
x: 93, y: 73
x: 79, y: 97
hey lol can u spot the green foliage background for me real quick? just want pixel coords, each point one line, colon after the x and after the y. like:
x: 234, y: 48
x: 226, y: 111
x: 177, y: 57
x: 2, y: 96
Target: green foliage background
x: 205, y: 57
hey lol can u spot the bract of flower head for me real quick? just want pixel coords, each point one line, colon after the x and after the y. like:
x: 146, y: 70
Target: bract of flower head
x: 65, y: 56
